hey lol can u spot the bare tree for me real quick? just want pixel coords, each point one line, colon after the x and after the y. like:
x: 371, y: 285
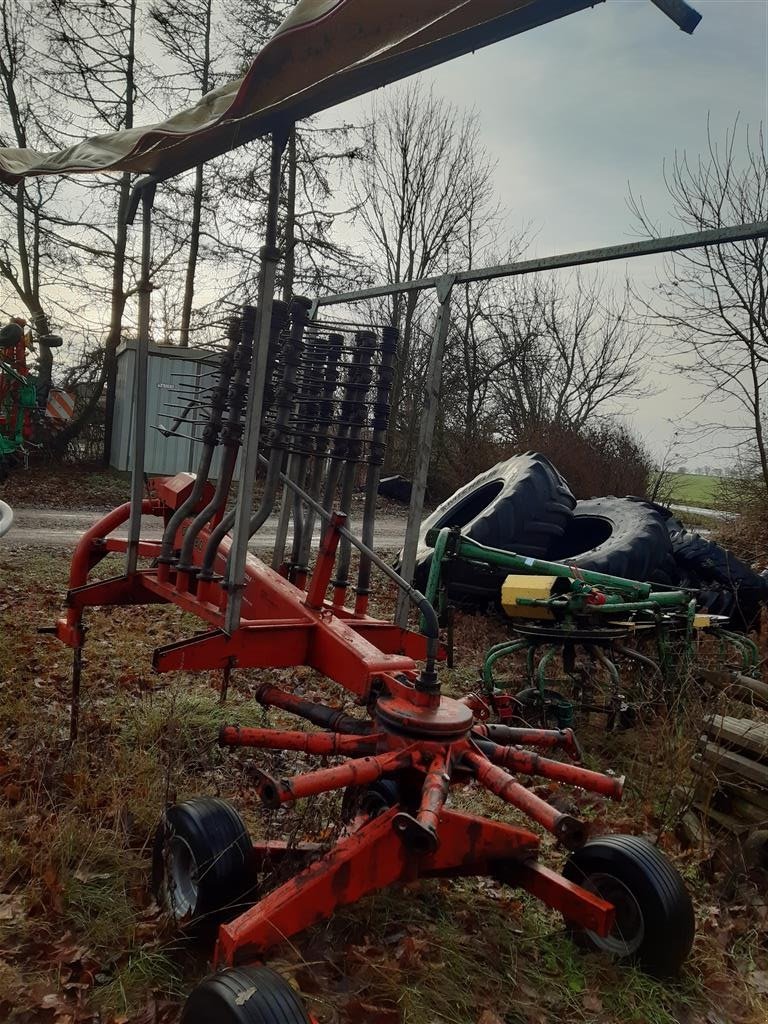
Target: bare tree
x: 314, y: 166
x: 560, y: 352
x: 31, y: 250
x: 184, y: 29
x: 425, y: 187
x: 714, y: 301
x: 94, y: 68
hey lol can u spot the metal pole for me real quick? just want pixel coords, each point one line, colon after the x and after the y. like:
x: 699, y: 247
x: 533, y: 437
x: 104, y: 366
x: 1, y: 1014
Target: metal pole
x: 140, y: 382
x: 270, y: 256
x: 426, y: 433
x: 649, y: 247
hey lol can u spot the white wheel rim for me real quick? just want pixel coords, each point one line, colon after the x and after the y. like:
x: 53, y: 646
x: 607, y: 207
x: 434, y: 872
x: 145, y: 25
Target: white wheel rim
x: 628, y: 932
x: 6, y: 517
x: 182, y: 888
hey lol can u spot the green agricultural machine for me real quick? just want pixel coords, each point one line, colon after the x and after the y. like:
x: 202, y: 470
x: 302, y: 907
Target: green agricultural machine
x: 590, y: 622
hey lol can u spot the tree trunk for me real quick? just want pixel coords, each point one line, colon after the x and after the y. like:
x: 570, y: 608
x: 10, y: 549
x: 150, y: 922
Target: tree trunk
x: 289, y: 265
x: 116, y: 317
x: 401, y: 367
x: 194, y: 249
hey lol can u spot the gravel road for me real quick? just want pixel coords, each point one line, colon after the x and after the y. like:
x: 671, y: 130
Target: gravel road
x: 59, y: 528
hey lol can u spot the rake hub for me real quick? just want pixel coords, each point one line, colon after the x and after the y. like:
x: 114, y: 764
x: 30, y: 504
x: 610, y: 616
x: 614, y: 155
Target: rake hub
x: 444, y: 719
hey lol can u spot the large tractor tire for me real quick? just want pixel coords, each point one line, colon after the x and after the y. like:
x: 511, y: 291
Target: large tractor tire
x: 727, y: 586
x: 620, y: 536
x: 521, y: 505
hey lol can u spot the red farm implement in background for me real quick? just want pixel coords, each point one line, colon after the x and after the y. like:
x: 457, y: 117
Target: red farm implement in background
x: 23, y: 399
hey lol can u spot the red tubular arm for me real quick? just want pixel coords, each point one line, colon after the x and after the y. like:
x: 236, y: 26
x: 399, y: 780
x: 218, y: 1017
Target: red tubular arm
x: 323, y: 744
x: 83, y: 559
x: 89, y: 552
x: 528, y: 763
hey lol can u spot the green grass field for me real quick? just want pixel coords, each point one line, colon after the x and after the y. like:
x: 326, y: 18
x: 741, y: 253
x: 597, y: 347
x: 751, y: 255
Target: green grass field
x: 693, y: 489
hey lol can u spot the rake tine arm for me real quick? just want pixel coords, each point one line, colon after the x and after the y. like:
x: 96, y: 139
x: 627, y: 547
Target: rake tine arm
x: 421, y: 832
x: 548, y: 739
x: 533, y: 764
x: 324, y: 744
x: 318, y: 714
x: 358, y: 772
x: 569, y: 830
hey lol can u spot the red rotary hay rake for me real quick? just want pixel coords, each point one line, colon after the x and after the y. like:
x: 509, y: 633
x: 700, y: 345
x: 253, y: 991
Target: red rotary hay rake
x: 326, y: 418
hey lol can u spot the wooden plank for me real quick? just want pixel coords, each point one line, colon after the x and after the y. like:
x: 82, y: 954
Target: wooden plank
x: 747, y: 811
x: 728, y: 765
x: 755, y: 797
x: 743, y: 725
x: 681, y: 796
x: 741, y: 732
x: 740, y: 686
x: 694, y: 829
x: 726, y: 821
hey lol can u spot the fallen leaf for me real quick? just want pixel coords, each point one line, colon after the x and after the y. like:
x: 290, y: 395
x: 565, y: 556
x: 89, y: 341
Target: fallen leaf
x: 10, y: 907
x: 12, y: 792
x: 489, y: 1017
x: 759, y: 981
x: 592, y: 1003
x: 358, y: 1012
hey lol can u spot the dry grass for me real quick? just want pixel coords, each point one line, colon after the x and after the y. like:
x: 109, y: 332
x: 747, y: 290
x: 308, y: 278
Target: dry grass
x: 79, y: 932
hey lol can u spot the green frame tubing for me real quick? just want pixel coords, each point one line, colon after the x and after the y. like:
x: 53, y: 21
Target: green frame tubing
x: 13, y: 439
x: 624, y: 595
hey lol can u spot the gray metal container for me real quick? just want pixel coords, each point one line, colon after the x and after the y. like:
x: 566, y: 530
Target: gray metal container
x: 165, y: 456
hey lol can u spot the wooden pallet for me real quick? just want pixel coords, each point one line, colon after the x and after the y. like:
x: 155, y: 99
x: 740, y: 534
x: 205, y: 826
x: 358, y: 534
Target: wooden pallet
x: 730, y: 790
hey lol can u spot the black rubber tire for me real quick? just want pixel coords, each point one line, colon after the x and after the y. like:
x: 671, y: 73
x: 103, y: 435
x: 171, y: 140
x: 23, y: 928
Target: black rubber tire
x: 725, y: 582
x: 520, y: 505
x: 244, y: 995
x: 672, y: 523
x: 619, y: 536
x: 658, y: 889
x: 214, y: 835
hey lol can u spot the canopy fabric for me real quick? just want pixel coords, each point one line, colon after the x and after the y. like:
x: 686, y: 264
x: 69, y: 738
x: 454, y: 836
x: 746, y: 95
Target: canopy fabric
x: 326, y: 51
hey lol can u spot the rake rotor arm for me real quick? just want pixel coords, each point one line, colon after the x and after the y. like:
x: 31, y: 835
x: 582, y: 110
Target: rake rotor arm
x: 527, y: 763
x: 318, y: 714
x: 357, y: 772
x: 324, y: 744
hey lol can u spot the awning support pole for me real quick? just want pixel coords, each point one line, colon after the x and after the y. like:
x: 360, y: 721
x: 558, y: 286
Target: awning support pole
x: 270, y: 257
x: 443, y: 289
x: 144, y: 190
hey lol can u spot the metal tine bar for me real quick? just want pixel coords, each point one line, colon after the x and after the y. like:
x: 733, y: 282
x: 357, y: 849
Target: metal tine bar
x: 231, y: 436
x: 193, y: 403
x: 278, y: 322
x: 347, y: 326
x: 378, y: 441
x: 431, y: 627
x: 210, y: 439
x: 338, y: 451
x: 299, y: 526
x: 283, y: 522
x: 362, y: 382
x: 322, y: 442
x: 291, y: 357
x: 176, y: 433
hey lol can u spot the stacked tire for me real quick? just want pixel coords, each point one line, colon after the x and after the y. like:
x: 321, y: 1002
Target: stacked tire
x: 623, y: 537
x: 725, y: 585
x: 524, y: 505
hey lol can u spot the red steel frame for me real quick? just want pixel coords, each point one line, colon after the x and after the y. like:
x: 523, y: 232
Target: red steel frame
x: 426, y: 742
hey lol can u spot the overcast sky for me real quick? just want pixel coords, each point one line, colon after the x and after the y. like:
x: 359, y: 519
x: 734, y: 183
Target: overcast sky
x: 578, y: 110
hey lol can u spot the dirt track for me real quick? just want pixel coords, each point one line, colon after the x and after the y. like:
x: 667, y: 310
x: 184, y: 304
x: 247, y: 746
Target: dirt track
x: 59, y: 528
